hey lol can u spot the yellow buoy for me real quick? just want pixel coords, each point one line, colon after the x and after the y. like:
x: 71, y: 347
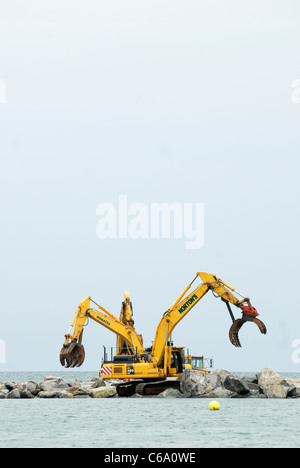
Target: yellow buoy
x: 214, y: 406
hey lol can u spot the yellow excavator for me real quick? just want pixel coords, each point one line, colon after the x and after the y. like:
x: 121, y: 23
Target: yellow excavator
x: 150, y: 371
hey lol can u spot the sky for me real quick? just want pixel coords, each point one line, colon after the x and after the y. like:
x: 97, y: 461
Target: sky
x: 188, y: 102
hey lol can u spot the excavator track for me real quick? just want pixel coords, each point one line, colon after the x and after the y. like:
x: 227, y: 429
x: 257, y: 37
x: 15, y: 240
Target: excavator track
x: 127, y: 389
x: 155, y: 388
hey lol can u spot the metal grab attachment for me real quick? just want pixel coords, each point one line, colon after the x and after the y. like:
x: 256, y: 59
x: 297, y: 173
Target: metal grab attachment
x: 72, y: 354
x: 250, y: 314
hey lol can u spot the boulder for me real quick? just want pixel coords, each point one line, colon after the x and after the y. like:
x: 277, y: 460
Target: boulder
x: 256, y: 394
x: 104, y: 392
x: 79, y: 392
x: 26, y: 394
x: 30, y: 386
x: 72, y: 389
x: 196, y: 384
x: 213, y: 381
x: 251, y: 383
x: 193, y: 383
x: 275, y: 386
x: 52, y: 384
x: 295, y: 383
x: 65, y: 394
x: 220, y: 392
x: 94, y: 383
x: 222, y: 373
x: 82, y: 393
x: 3, y: 391
x: 47, y: 394
x: 171, y: 393
x: 10, y: 385
x: 14, y: 394
x: 236, y: 385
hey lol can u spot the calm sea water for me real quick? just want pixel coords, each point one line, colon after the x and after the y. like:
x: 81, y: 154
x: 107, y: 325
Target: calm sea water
x: 146, y: 422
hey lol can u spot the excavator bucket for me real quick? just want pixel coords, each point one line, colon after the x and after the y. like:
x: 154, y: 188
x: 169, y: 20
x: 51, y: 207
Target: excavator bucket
x: 72, y: 354
x: 249, y: 315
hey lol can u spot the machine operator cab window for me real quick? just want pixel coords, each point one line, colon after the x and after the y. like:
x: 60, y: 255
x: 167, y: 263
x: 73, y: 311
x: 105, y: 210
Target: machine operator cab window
x: 197, y: 362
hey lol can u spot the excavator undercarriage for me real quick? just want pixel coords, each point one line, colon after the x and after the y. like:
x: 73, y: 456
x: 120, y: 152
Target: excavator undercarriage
x: 146, y: 388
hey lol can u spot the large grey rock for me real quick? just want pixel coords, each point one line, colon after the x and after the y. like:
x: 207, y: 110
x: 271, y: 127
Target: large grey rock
x: 171, y: 393
x: 256, y: 394
x: 94, y: 383
x: 30, y: 386
x: 82, y: 393
x: 222, y: 373
x: 26, y: 394
x: 104, y: 392
x: 251, y: 382
x: 47, y: 394
x: 220, y: 392
x: 236, y: 385
x: 52, y: 384
x: 14, y: 394
x: 193, y: 383
x: 65, y: 394
x: 10, y: 385
x: 3, y: 390
x: 275, y: 386
x: 79, y: 392
x: 213, y: 381
x: 196, y: 384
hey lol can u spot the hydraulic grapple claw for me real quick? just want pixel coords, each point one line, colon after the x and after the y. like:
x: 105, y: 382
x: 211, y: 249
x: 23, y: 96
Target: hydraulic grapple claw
x: 72, y: 354
x: 249, y: 315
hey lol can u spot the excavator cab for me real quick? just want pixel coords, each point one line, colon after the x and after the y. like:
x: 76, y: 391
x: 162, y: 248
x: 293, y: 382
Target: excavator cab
x: 199, y: 363
x: 176, y: 361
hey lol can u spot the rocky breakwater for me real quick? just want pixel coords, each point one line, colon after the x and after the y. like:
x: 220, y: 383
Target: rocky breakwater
x: 56, y: 387
x: 193, y: 384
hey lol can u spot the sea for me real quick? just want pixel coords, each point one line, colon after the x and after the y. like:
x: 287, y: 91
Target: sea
x: 158, y: 423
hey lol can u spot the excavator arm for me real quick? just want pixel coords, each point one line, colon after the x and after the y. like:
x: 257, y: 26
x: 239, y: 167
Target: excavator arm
x: 73, y: 354
x: 187, y: 301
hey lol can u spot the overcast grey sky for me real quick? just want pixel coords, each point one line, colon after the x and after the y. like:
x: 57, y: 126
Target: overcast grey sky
x: 163, y: 101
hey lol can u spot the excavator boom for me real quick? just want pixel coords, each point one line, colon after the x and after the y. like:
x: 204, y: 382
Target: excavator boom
x: 72, y: 354
x: 187, y: 300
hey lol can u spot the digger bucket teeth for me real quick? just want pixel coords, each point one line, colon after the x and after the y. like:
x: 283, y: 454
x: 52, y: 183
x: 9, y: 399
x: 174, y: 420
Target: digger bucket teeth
x: 72, y: 355
x: 237, y: 325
